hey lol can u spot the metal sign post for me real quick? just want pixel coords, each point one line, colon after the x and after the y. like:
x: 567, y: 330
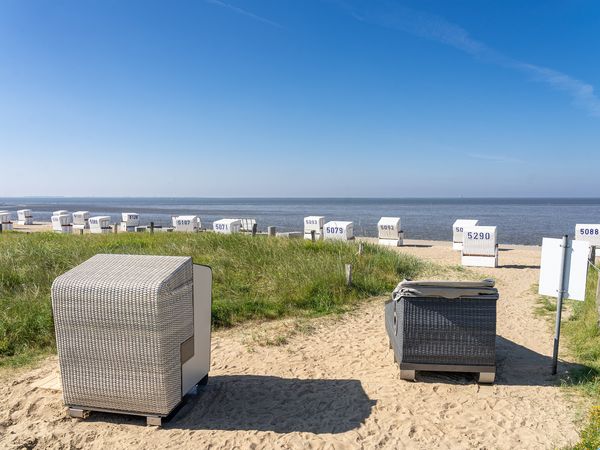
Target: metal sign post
x: 559, y: 301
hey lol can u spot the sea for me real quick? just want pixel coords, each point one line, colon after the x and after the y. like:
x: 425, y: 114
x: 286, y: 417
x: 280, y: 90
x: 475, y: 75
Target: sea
x: 519, y: 220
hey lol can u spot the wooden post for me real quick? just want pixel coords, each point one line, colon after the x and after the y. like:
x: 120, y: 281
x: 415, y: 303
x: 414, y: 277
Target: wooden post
x: 152, y: 227
x: 348, y: 275
x: 254, y: 229
x: 81, y: 231
x: 116, y: 228
x: 272, y: 231
x: 0, y: 228
x: 360, y: 248
x: 313, y: 235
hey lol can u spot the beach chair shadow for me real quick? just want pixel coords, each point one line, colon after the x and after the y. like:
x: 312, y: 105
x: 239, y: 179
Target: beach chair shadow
x: 265, y: 403
x: 516, y: 365
x: 518, y: 266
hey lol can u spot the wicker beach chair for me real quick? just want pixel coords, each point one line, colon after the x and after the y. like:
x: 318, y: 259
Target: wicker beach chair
x: 443, y: 326
x: 132, y: 333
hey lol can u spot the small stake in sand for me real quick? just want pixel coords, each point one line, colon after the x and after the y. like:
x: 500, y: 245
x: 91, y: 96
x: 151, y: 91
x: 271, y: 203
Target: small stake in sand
x: 360, y: 248
x: 151, y: 227
x: 272, y: 231
x: 254, y: 229
x: 348, y: 275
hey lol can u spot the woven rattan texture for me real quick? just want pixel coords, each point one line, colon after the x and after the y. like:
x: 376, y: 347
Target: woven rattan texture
x: 447, y: 331
x: 120, y: 320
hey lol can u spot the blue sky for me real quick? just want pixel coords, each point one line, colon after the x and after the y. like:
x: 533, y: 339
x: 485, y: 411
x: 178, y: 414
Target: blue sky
x: 300, y: 98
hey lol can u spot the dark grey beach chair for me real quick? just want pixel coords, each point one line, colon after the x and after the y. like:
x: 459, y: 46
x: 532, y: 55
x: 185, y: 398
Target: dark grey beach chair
x: 443, y: 326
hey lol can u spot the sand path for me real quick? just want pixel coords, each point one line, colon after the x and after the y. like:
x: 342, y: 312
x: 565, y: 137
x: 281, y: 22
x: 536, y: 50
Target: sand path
x: 336, y: 387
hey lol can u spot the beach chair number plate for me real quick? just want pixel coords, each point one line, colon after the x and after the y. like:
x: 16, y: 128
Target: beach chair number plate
x: 589, y: 231
x: 478, y: 236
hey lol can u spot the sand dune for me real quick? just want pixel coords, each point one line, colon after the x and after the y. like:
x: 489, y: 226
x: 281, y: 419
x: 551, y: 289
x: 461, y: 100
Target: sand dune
x: 336, y: 387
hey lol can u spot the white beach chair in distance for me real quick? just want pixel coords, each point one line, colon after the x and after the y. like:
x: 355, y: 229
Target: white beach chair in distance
x: 129, y: 221
x: 390, y: 232
x: 227, y: 226
x: 100, y: 224
x: 314, y: 223
x: 24, y: 217
x: 80, y: 220
x: 480, y: 247
x: 338, y: 230
x: 61, y: 223
x: 7, y: 224
x: 186, y: 224
x: 246, y: 225
x: 457, y: 232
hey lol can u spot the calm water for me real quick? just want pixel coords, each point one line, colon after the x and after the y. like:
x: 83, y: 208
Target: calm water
x: 519, y: 221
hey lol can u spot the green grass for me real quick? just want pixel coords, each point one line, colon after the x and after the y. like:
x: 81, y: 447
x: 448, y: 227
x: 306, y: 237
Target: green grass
x: 581, y: 334
x: 253, y: 278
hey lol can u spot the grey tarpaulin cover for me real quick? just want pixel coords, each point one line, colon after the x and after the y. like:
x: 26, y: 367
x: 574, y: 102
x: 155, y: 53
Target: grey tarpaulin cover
x: 446, y: 289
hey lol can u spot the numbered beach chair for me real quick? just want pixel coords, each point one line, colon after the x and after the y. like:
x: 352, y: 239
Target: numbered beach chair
x: 457, y: 232
x: 390, y: 232
x: 443, y: 326
x: 480, y: 247
x: 314, y: 224
x: 338, y: 230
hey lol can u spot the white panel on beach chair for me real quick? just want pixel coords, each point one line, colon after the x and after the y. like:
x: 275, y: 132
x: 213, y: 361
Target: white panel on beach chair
x: 313, y: 223
x: 62, y: 223
x: 80, y: 220
x: 588, y: 233
x: 457, y: 232
x: 188, y: 224
x: 247, y: 224
x: 100, y: 224
x: 338, y: 230
x: 389, y: 231
x: 227, y: 226
x: 60, y: 212
x: 5, y: 221
x: 480, y: 247
x: 24, y: 217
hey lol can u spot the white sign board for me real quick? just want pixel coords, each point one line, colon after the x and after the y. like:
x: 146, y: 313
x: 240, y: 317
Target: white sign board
x: 588, y: 232
x: 576, y: 265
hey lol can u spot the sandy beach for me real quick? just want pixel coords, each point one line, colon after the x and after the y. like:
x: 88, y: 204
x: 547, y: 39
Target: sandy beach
x: 335, y: 386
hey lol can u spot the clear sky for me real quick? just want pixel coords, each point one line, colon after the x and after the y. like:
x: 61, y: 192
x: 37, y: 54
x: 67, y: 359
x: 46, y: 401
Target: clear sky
x: 300, y: 98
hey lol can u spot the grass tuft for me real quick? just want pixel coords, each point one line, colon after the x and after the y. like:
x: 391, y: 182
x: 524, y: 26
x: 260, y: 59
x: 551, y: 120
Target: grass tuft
x: 253, y: 278
x: 582, y: 337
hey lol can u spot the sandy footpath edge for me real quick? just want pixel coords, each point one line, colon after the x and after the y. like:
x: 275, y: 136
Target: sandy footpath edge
x: 336, y: 387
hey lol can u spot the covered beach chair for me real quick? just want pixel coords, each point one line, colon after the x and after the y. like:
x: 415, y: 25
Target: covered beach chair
x: 443, y: 326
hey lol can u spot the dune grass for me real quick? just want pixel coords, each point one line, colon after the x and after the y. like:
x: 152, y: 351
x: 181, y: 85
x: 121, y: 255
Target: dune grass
x: 581, y: 334
x: 253, y: 278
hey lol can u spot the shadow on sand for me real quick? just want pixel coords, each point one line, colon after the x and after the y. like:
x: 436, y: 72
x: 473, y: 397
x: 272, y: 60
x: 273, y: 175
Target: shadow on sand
x: 264, y: 403
x: 515, y: 366
x: 518, y: 266
x: 416, y: 245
